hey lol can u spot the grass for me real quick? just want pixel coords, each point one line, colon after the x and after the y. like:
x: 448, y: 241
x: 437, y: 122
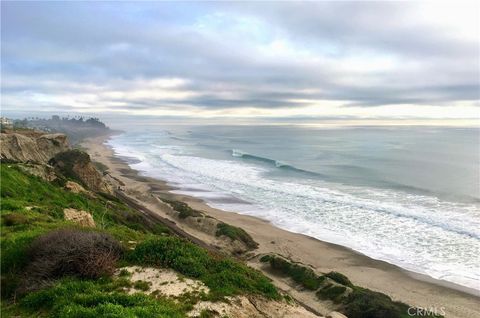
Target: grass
x: 236, y: 233
x: 224, y: 276
x: 101, y: 298
x: 31, y: 207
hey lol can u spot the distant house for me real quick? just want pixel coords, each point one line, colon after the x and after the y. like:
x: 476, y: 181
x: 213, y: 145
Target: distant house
x: 5, y: 122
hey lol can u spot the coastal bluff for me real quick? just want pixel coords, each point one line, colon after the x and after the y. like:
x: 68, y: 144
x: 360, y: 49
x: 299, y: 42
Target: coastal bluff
x: 32, y: 147
x: 41, y: 153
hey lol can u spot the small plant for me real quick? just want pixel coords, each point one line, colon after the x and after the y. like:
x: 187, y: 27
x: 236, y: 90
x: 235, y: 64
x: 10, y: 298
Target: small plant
x: 339, y: 278
x: 183, y: 209
x: 331, y: 292
x: 141, y: 285
x: 236, y: 233
x: 124, y: 273
x: 265, y: 258
x: 300, y: 274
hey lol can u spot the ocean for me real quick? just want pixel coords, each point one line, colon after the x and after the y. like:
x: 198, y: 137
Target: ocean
x: 408, y: 195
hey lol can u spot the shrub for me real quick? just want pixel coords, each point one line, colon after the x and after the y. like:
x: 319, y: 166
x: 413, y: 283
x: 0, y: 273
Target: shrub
x: 302, y: 275
x: 70, y: 252
x: 141, y: 285
x: 183, y: 208
x: 13, y: 219
x: 182, y: 256
x: 340, y: 278
x: 65, y: 162
x: 265, y: 258
x: 223, y: 276
x: 331, y: 292
x: 364, y: 303
x: 236, y: 233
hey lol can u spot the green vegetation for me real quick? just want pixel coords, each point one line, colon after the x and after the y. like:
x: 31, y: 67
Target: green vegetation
x: 48, y: 264
x: 236, y: 233
x: 101, y: 298
x: 183, y: 208
x: 300, y: 274
x: 223, y: 276
x: 141, y: 285
x: 33, y: 227
x: 339, y: 278
x: 65, y: 162
x: 358, y: 303
x: 233, y: 232
x: 332, y: 292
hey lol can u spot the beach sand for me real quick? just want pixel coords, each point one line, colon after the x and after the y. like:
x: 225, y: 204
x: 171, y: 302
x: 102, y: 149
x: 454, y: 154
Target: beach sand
x: 411, y: 288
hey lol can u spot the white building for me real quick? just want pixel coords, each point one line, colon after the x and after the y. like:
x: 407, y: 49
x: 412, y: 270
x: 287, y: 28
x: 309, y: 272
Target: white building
x: 5, y: 122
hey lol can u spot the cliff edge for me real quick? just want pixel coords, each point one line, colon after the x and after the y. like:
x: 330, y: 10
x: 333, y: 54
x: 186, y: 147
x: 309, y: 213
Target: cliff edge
x: 17, y: 147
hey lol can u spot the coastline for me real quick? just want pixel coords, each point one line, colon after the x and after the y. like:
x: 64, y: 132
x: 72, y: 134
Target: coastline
x: 409, y: 287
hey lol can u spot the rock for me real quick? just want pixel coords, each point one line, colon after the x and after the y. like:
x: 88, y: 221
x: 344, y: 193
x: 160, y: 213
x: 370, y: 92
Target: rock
x: 336, y: 314
x: 77, y: 165
x: 80, y: 217
x: 43, y: 171
x: 74, y: 187
x: 16, y: 147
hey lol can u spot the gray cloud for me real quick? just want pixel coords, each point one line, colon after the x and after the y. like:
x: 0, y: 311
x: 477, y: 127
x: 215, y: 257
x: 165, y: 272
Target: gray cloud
x: 83, y: 49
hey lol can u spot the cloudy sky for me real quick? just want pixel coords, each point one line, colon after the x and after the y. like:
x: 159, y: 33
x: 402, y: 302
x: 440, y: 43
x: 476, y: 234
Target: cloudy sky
x: 300, y: 60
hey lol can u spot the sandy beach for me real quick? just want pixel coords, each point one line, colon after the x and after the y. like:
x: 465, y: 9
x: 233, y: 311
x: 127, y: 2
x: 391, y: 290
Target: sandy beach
x: 411, y: 288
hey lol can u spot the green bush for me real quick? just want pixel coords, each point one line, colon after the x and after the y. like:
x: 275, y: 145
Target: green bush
x: 339, y: 278
x: 67, y: 160
x: 141, y: 285
x: 182, y: 256
x: 331, y: 292
x: 236, y: 233
x: 183, y: 208
x: 223, y: 276
x: 364, y: 303
x: 265, y: 258
x: 300, y: 274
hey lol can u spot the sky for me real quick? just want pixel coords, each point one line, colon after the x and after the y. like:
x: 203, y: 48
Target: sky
x: 269, y: 60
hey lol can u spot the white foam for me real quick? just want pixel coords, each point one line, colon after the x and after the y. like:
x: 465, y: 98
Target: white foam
x: 419, y: 233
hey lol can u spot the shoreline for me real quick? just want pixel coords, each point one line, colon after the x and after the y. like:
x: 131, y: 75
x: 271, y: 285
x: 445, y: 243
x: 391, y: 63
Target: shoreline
x: 403, y: 285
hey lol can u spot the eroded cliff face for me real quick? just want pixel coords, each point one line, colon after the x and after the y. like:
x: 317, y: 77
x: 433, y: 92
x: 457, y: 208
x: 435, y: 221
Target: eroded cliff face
x: 17, y: 147
x: 42, y: 153
x: 77, y: 165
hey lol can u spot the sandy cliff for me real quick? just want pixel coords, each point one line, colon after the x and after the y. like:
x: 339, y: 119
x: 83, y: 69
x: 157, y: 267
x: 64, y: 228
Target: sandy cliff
x: 17, y: 147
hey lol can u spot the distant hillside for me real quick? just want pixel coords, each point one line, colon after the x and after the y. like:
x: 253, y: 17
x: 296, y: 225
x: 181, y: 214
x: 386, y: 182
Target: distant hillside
x: 76, y: 128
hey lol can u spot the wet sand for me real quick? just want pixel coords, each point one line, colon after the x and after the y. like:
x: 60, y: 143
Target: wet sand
x: 411, y: 288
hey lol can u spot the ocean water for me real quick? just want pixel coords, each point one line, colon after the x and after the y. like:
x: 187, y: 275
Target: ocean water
x: 406, y: 195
